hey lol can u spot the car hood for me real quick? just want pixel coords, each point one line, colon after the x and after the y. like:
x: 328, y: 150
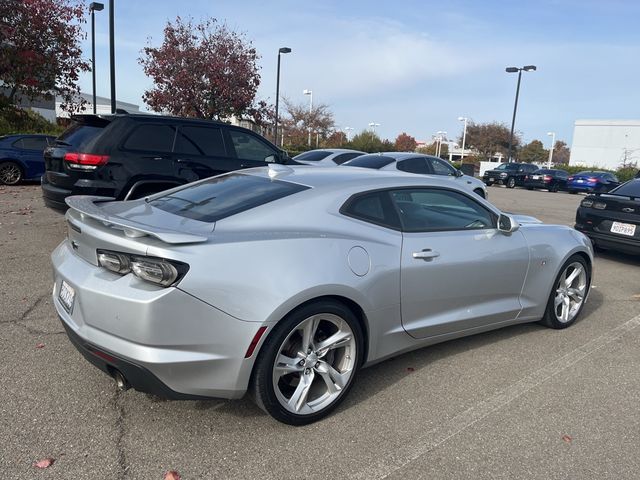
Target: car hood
x: 526, y: 219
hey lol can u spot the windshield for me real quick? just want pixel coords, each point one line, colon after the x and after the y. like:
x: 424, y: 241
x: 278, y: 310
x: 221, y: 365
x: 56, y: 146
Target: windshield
x: 313, y: 156
x: 629, y: 189
x: 223, y: 196
x: 507, y: 166
x: 369, y: 161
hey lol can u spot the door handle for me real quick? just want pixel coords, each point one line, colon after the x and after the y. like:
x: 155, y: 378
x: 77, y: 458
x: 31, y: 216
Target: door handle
x: 426, y: 254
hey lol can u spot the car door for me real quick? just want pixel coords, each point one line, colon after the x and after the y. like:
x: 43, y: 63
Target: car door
x: 458, y: 272
x: 146, y: 154
x: 31, y: 149
x: 250, y: 149
x: 200, y: 152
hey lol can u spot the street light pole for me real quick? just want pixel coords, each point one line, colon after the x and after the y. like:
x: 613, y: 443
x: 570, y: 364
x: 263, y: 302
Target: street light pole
x: 112, y: 57
x: 94, y: 7
x: 464, y: 135
x: 373, y: 126
x: 553, y: 143
x: 310, y: 93
x: 347, y: 132
x: 526, y: 68
x: 275, y: 133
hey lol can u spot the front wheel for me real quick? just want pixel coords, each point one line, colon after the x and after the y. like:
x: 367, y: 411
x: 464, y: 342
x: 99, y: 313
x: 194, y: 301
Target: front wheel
x: 10, y: 173
x: 308, y: 363
x: 511, y: 183
x: 568, y: 294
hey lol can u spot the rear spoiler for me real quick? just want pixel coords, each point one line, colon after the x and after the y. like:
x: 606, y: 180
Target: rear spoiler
x: 86, y: 206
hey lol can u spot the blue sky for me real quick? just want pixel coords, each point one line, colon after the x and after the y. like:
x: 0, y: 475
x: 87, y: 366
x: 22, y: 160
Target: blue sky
x: 415, y: 66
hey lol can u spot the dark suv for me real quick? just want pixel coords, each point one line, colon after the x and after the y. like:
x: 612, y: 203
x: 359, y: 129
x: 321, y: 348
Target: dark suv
x: 509, y: 174
x: 130, y: 156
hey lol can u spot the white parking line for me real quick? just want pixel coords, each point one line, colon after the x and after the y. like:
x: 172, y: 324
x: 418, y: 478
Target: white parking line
x: 390, y: 463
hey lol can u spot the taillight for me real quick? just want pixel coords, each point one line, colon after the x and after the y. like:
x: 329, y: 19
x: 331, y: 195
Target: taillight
x: 526, y: 177
x: 160, y: 271
x: 593, y: 179
x: 85, y: 161
x: 570, y: 178
x: 547, y: 178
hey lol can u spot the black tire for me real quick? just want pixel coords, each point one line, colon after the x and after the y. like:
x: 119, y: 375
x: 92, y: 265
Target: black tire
x: 529, y: 188
x: 479, y: 192
x: 262, y: 387
x: 511, y: 182
x: 554, y: 189
x: 10, y: 173
x: 572, y: 192
x: 550, y: 318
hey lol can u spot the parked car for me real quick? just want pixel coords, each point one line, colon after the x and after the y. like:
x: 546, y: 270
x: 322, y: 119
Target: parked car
x: 327, y: 157
x: 550, y: 179
x: 509, y: 174
x: 612, y: 220
x: 131, y: 156
x: 589, y: 181
x: 286, y: 280
x: 21, y: 157
x: 418, y: 164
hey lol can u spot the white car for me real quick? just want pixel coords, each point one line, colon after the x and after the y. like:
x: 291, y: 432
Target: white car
x: 419, y: 164
x: 327, y: 157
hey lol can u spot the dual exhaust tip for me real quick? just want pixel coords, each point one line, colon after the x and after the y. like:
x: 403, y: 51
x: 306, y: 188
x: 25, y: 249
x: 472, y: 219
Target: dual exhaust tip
x: 121, y: 382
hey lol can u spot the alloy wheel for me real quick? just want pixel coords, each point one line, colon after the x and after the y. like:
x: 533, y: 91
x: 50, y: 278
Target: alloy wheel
x: 314, y: 364
x: 570, y: 292
x: 10, y: 173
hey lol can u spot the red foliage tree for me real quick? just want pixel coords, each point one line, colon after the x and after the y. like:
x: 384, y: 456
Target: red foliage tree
x: 202, y: 70
x: 405, y: 143
x: 40, y: 50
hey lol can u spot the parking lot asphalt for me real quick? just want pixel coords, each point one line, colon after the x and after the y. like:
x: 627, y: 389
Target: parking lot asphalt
x: 521, y: 402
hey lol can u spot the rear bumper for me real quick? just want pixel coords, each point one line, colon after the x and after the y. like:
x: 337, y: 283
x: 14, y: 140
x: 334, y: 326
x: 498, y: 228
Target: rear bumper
x: 582, y: 188
x: 530, y: 184
x: 611, y: 241
x: 163, y: 340
x: 54, y: 195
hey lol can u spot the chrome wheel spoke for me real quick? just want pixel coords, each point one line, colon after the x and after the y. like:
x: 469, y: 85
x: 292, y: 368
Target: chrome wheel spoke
x: 576, y: 272
x: 285, y: 365
x: 576, y: 294
x: 299, y: 397
x: 570, y: 292
x: 566, y: 307
x: 334, y: 380
x: 308, y: 332
x: 337, y: 340
x: 558, y: 300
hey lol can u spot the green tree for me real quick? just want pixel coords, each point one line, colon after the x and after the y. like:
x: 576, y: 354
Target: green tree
x: 405, y: 143
x: 367, y: 141
x: 533, y: 152
x: 489, y: 138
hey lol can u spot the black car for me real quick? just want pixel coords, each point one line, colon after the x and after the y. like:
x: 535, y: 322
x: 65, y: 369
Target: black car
x: 549, y: 179
x: 509, y: 174
x: 612, y: 220
x: 130, y: 156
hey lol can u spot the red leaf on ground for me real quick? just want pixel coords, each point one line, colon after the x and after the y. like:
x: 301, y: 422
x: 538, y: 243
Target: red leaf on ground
x: 567, y: 438
x: 172, y: 475
x: 411, y: 369
x: 44, y: 463
x: 40, y: 345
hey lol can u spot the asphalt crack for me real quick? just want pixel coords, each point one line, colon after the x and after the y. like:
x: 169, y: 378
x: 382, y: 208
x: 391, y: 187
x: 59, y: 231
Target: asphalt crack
x: 25, y: 315
x: 121, y: 456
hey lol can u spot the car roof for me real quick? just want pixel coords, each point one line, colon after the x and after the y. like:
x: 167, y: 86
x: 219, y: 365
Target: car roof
x: 145, y: 116
x: 333, y: 150
x: 398, y: 156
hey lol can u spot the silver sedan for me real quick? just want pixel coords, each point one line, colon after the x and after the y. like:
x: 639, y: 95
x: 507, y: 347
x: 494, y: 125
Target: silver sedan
x: 285, y: 281
x: 419, y: 164
x: 327, y: 157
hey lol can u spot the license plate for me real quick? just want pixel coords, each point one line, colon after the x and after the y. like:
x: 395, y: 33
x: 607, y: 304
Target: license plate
x: 623, y: 229
x: 536, y: 177
x: 579, y: 181
x: 66, y: 296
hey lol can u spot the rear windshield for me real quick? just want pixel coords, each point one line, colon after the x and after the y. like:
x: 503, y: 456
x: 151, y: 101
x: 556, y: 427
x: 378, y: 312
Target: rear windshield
x: 508, y: 166
x: 629, y: 189
x: 369, y: 161
x: 79, y: 133
x: 224, y: 196
x: 312, y: 156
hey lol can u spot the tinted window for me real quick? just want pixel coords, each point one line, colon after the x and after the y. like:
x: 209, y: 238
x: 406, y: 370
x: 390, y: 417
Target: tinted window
x: 34, y: 143
x: 413, y: 165
x: 151, y: 138
x: 423, y: 210
x: 374, y: 207
x: 507, y: 166
x: 345, y: 157
x: 369, y: 161
x: 629, y: 189
x: 440, y: 167
x: 248, y: 147
x: 221, y: 197
x: 200, y: 141
x: 313, y: 156
x: 80, y: 133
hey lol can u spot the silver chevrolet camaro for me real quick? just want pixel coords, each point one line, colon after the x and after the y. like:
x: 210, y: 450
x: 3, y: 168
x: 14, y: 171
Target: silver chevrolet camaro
x: 284, y: 281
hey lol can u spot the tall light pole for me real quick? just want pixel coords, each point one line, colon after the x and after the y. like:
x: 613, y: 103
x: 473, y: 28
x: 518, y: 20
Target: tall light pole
x: 112, y: 57
x: 373, y: 126
x: 440, y: 136
x: 464, y: 135
x: 526, y: 68
x: 553, y: 143
x: 275, y: 133
x: 310, y: 93
x: 94, y: 7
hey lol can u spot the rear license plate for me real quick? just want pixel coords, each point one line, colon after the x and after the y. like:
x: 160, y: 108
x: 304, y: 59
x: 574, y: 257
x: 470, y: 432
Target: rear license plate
x: 536, y: 177
x: 623, y: 229
x: 66, y: 296
x: 579, y: 181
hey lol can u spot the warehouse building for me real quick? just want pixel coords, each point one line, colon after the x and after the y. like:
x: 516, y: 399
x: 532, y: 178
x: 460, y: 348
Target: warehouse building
x: 606, y: 143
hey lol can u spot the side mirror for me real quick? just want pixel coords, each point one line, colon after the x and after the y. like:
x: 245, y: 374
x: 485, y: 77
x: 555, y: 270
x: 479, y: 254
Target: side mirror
x: 273, y: 158
x: 459, y: 173
x: 507, y: 224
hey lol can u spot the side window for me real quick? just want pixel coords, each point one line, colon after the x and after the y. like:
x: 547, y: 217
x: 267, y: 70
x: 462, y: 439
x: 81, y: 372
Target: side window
x: 430, y: 209
x: 34, y: 143
x: 345, y: 157
x: 373, y: 207
x: 200, y: 141
x: 440, y: 167
x: 248, y: 147
x: 414, y: 165
x: 151, y: 138
x: 17, y: 143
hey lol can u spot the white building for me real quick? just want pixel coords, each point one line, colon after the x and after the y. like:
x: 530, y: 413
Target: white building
x: 103, y: 106
x: 605, y: 143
